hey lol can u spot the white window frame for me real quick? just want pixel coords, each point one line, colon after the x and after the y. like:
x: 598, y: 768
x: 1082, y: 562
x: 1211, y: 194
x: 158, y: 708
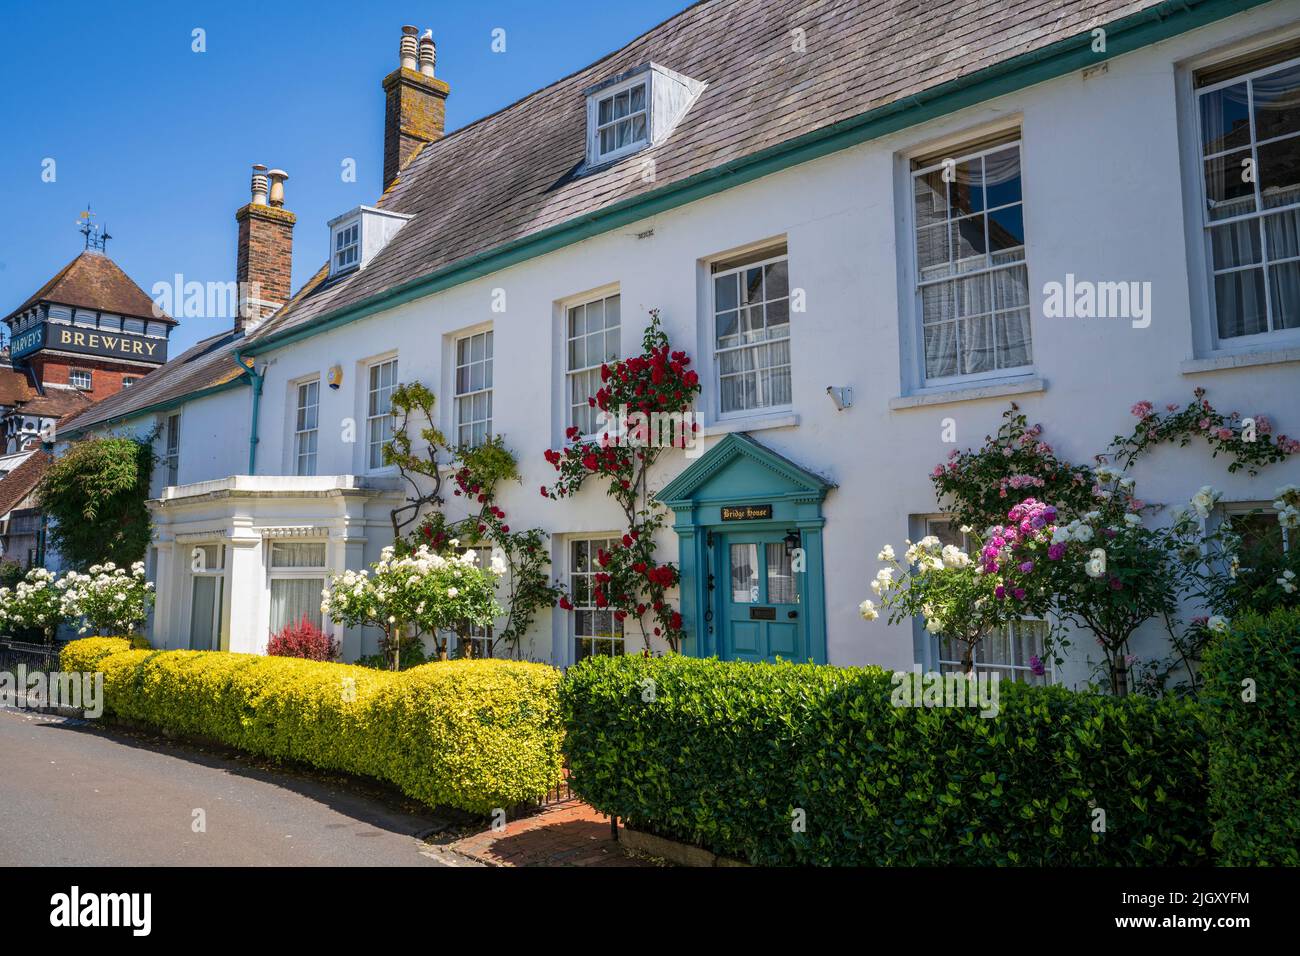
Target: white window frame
x: 315, y: 572
x: 462, y: 399
x: 961, y: 153
x: 171, y: 449
x: 482, y: 637
x: 1008, y: 669
x: 594, y: 541
x: 594, y: 127
x: 89, y: 379
x: 1227, y: 510
x: 574, y: 374
x: 757, y: 259
x: 129, y: 380
x: 219, y: 597
x: 345, y: 244
x: 301, y: 433
x: 374, y: 420
x: 1274, y: 337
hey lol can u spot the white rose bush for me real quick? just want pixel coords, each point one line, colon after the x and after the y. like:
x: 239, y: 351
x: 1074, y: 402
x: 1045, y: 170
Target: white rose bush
x: 110, y: 600
x: 35, y: 603
x: 944, y: 586
x: 413, y: 595
x: 107, y: 599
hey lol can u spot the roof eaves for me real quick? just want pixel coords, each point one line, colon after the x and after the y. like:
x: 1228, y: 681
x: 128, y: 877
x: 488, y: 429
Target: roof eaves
x: 1143, y: 28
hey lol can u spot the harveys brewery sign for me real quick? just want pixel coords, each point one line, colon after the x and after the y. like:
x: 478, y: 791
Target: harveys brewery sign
x: 71, y: 338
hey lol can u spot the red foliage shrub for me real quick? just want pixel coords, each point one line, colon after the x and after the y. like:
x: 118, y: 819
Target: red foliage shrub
x: 303, y: 639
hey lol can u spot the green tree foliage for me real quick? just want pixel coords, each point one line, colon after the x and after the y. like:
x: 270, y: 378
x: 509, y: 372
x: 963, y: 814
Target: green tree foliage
x: 94, y: 497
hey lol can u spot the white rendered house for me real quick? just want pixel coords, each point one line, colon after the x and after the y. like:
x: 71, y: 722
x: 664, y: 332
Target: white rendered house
x: 854, y: 234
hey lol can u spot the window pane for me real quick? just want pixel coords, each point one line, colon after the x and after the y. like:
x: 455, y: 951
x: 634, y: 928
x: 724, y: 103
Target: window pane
x: 1283, y: 233
x: 1239, y: 301
x: 1006, y: 229
x: 744, y: 573
x: 940, y: 349
x: 937, y: 302
x: 1236, y: 244
x: 777, y: 280
x: 968, y: 244
x: 977, y: 345
x: 966, y: 191
x: 781, y: 585
x: 1226, y: 190
x: 1277, y: 103
x: 1002, y: 177
x: 1284, y: 284
x: 1010, y: 288
x: 1279, y: 173
x: 932, y: 252
x: 1225, y: 121
x: 298, y: 554
x: 292, y: 599
x: 1013, y: 338
x: 930, y: 194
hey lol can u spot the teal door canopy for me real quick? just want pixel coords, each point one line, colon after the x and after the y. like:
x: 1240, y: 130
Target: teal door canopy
x: 749, y: 526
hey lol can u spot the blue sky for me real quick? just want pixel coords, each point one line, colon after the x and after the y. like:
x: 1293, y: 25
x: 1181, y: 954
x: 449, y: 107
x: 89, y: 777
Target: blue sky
x: 159, y: 139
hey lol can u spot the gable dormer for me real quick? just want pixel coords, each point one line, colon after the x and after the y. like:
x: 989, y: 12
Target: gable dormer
x: 636, y: 109
x: 357, y: 236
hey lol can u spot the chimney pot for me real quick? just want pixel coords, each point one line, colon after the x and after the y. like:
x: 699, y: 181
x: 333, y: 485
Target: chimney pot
x: 428, y: 53
x: 407, y: 50
x: 259, y: 184
x: 277, y: 177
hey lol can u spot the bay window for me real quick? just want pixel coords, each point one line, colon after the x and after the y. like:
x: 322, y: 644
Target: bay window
x: 297, y: 575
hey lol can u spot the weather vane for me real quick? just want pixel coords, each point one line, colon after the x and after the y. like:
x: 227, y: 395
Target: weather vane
x: 96, y: 235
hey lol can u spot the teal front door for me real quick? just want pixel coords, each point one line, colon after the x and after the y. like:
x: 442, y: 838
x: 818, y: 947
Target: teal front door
x: 761, y: 603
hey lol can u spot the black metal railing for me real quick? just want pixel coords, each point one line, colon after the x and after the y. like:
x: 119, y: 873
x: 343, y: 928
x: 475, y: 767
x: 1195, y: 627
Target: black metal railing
x: 37, y: 657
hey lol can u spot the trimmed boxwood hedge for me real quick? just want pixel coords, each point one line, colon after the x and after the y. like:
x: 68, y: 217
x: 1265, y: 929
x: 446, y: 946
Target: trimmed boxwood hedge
x: 475, y: 735
x: 1255, y: 745
x: 723, y: 754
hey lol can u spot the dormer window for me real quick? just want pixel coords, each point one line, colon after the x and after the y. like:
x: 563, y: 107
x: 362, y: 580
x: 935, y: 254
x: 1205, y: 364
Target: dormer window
x: 636, y: 109
x: 358, y: 235
x: 622, y: 125
x: 347, y: 246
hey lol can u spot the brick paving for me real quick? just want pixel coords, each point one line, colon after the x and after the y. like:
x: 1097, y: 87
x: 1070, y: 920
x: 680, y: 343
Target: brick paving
x: 568, y: 834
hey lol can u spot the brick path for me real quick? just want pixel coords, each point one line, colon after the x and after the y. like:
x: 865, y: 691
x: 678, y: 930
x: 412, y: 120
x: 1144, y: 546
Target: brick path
x: 568, y: 834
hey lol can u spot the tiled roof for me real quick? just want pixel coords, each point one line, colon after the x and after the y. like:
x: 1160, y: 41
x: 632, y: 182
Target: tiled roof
x: 55, y: 403
x: 18, y: 484
x: 15, y: 386
x: 513, y: 174
x: 205, y: 365
x: 94, y: 281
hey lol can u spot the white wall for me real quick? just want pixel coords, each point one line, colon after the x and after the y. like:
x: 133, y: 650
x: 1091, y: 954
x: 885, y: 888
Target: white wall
x: 1103, y: 197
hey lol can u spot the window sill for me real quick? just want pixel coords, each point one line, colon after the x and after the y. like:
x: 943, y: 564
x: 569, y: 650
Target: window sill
x: 1218, y: 363
x: 751, y: 423
x: 968, y: 393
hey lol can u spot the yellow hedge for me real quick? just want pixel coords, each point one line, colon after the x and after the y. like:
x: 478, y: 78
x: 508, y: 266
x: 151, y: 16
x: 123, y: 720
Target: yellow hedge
x: 476, y: 735
x: 85, y: 654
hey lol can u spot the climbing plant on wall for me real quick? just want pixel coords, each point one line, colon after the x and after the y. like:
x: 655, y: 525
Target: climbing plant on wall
x: 93, y: 497
x: 478, y: 479
x: 644, y: 402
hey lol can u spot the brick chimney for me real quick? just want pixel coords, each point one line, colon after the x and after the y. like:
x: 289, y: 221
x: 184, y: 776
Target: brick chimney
x: 265, y: 257
x: 416, y: 102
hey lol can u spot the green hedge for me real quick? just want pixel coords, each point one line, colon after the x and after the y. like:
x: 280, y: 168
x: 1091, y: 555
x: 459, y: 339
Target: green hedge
x: 476, y: 735
x: 725, y: 753
x: 1255, y: 745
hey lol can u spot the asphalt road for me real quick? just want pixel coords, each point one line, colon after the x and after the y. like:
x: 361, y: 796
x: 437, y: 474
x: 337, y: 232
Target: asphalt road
x: 72, y: 793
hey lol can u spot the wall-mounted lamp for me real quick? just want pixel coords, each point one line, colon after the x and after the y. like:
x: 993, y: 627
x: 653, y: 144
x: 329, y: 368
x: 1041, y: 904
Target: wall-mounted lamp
x: 335, y: 376
x: 793, y: 540
x: 841, y: 395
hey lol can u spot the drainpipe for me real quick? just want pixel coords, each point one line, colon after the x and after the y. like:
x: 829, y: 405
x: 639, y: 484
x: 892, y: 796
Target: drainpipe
x: 250, y: 366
